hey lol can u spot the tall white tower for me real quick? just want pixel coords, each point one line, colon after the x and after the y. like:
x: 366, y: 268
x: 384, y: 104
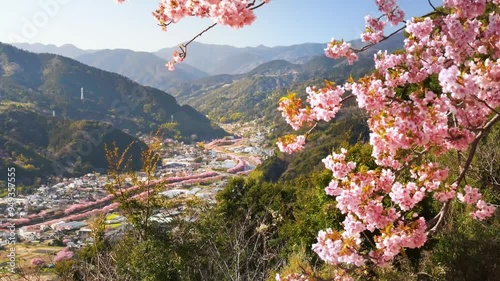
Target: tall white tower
x: 53, y: 113
x: 81, y: 93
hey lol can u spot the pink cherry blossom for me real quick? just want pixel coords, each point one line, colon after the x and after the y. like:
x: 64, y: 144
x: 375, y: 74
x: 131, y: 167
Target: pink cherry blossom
x: 64, y: 254
x: 472, y: 195
x: 339, y: 49
x: 401, y: 127
x: 170, y: 65
x: 483, y: 210
x: 291, y: 143
x: 178, y: 57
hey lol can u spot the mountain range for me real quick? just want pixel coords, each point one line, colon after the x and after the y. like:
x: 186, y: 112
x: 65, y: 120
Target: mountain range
x: 56, y: 83
x: 38, y: 145
x: 50, y: 104
x: 66, y: 50
x: 204, y: 60
x: 41, y: 85
x: 142, y: 67
x: 223, y: 59
x: 229, y: 83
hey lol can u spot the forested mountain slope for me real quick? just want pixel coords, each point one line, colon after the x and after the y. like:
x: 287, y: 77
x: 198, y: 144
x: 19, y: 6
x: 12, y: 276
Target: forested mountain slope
x: 54, y: 83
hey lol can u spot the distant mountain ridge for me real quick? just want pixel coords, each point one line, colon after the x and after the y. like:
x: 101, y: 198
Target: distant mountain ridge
x: 208, y: 59
x: 223, y: 59
x: 66, y: 50
x: 250, y: 80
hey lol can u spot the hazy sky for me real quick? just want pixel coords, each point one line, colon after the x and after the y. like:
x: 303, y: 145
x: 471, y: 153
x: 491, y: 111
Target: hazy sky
x: 100, y: 24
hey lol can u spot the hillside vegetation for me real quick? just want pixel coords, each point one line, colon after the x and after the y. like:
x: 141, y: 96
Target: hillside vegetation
x: 40, y: 146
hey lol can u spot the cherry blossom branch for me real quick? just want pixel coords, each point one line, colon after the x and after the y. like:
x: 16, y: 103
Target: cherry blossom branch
x: 434, y: 8
x: 310, y: 130
x: 485, y: 104
x: 256, y: 7
x: 430, y: 3
x: 183, y: 54
x: 434, y: 223
x: 198, y: 35
x: 347, y: 98
x: 316, y: 123
x: 484, y: 131
x: 165, y: 24
x: 366, y: 47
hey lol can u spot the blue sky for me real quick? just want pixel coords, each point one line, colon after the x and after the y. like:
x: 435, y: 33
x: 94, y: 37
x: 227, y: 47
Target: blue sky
x: 100, y: 24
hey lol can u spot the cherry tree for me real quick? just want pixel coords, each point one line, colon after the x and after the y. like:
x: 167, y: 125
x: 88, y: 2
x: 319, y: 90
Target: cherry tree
x: 37, y: 262
x: 439, y: 95
x: 64, y: 254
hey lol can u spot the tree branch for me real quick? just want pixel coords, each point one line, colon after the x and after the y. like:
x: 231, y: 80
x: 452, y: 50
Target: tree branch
x: 434, y: 223
x: 184, y: 46
x: 436, y: 10
x: 194, y: 38
x: 364, y: 48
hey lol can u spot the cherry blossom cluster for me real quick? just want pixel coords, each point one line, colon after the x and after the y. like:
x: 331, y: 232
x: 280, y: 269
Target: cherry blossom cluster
x: 199, y: 180
x: 291, y: 143
x: 324, y: 102
x: 459, y: 52
x: 374, y: 31
x: 202, y: 178
x: 233, y: 13
x: 324, y: 105
x: 218, y: 142
x: 255, y: 160
x: 339, y: 247
x: 37, y: 262
x: 87, y: 209
x: 360, y: 196
x: 473, y: 196
x: 337, y: 49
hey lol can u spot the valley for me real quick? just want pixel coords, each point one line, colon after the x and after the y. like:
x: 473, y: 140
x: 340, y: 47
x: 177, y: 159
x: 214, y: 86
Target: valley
x: 59, y: 211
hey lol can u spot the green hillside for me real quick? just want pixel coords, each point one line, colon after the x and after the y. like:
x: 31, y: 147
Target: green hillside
x: 53, y: 83
x: 41, y: 146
